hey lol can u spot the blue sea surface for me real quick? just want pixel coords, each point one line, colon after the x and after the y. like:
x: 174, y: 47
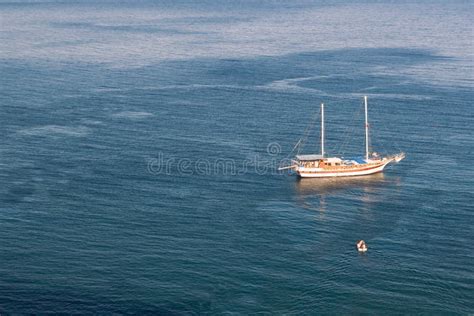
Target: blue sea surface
x: 141, y: 140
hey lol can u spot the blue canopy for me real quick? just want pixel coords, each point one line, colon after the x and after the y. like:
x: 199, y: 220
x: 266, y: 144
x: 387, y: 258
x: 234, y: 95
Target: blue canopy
x: 359, y: 160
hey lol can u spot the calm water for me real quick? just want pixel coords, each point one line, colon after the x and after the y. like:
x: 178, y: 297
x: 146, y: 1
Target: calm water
x: 139, y: 146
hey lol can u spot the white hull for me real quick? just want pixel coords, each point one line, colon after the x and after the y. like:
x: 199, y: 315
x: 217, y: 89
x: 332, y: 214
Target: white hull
x: 321, y: 173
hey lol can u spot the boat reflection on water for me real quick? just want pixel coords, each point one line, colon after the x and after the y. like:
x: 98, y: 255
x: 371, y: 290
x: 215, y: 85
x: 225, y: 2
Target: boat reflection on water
x: 311, y: 186
x: 312, y: 192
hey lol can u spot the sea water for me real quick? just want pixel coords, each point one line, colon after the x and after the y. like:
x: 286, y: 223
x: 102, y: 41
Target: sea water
x: 140, y: 143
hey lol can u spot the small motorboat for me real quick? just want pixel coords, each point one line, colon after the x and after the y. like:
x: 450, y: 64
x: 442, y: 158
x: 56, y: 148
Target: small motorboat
x: 361, y: 246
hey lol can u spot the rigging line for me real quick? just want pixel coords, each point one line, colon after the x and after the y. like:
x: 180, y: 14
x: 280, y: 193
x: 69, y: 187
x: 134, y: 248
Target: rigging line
x: 349, y: 133
x: 332, y: 103
x: 294, y: 148
x: 308, y: 130
x: 355, y: 125
x: 299, y: 144
x: 397, y: 146
x: 379, y: 143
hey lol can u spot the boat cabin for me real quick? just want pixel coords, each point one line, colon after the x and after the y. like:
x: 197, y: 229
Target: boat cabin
x: 318, y: 161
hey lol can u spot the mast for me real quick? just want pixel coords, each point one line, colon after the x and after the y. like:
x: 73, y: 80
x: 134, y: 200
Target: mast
x: 366, y: 130
x: 322, y: 129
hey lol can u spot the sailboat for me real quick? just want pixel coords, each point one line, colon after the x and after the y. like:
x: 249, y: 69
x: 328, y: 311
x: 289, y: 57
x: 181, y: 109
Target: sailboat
x: 319, y: 165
